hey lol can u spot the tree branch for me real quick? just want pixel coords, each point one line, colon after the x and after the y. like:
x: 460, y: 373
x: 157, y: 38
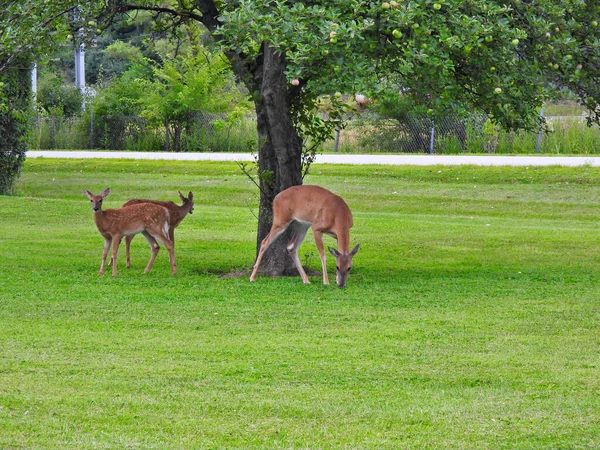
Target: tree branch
x: 57, y: 15
x: 160, y: 10
x: 208, y: 16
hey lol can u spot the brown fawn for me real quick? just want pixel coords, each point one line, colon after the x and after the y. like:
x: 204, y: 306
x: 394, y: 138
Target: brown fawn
x: 113, y: 224
x: 327, y: 213
x: 176, y: 214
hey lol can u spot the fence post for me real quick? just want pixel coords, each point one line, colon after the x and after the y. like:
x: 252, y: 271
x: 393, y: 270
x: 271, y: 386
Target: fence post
x: 539, y: 138
x: 432, y: 140
x: 34, y: 85
x: 337, y: 136
x: 53, y: 131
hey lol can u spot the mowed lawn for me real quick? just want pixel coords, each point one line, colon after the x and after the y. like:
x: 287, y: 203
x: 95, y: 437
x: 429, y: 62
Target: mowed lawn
x: 471, y: 319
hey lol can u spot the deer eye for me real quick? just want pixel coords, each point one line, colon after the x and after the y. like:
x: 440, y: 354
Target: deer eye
x: 337, y: 268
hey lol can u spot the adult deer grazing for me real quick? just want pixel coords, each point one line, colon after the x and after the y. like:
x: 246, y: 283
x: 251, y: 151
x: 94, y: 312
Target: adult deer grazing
x: 113, y: 224
x: 176, y: 214
x: 327, y: 213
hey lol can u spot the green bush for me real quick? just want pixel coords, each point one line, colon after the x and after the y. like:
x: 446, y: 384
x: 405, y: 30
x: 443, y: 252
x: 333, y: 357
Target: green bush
x: 210, y: 135
x: 58, y: 97
x: 15, y: 91
x: 56, y: 132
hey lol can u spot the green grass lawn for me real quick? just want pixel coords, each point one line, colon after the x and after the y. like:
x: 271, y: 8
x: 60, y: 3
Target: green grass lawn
x: 471, y: 319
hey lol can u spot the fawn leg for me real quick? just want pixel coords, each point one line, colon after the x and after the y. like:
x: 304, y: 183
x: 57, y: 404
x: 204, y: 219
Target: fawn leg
x: 154, y: 247
x: 107, y: 242
x: 161, y: 236
x: 116, y: 242
x: 128, y: 240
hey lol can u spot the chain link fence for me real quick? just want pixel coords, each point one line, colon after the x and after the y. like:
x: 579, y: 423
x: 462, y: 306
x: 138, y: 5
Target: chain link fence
x: 364, y: 133
x: 369, y: 133
x: 414, y: 134
x: 199, y: 132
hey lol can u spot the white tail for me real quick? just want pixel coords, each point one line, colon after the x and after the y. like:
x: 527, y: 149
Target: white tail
x: 176, y: 215
x: 327, y: 213
x: 113, y: 224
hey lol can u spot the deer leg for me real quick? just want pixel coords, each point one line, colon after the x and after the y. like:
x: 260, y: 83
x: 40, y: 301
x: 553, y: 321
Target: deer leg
x: 115, y: 249
x: 319, y: 241
x: 107, y: 242
x: 171, y: 248
x: 276, y: 230
x: 162, y: 237
x: 300, y: 230
x: 127, y: 247
x: 128, y: 240
x: 154, y: 247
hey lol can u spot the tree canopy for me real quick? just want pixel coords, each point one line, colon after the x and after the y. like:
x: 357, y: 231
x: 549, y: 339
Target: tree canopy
x: 504, y: 57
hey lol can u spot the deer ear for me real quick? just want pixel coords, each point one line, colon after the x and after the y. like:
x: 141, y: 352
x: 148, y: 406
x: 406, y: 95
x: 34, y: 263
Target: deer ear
x: 181, y: 197
x: 333, y: 251
x: 105, y: 193
x: 191, y: 196
x: 87, y: 193
x: 355, y: 250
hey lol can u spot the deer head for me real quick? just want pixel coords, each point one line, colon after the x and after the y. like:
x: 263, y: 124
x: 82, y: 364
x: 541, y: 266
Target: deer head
x: 189, y: 200
x: 343, y: 264
x: 97, y: 199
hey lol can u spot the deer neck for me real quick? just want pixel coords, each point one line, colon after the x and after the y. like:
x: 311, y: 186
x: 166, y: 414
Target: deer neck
x: 179, y: 212
x: 99, y: 219
x: 343, y: 239
x: 184, y: 209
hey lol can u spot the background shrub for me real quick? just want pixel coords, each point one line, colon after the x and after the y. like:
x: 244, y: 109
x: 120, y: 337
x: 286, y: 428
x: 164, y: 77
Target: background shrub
x: 15, y: 92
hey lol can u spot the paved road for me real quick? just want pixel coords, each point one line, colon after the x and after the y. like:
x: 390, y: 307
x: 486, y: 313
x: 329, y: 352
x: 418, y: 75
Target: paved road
x: 417, y: 160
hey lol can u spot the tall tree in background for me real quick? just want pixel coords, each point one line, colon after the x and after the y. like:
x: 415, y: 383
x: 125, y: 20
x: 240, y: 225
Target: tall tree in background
x: 504, y: 57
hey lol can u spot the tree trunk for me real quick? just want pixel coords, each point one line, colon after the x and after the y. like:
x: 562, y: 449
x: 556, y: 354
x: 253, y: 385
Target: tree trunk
x: 280, y: 154
x: 167, y: 142
x: 176, y: 138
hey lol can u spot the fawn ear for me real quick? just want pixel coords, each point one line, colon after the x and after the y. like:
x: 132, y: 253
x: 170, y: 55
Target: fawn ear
x: 191, y: 196
x: 181, y: 197
x: 87, y: 193
x: 333, y: 251
x: 105, y: 193
x: 355, y: 250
